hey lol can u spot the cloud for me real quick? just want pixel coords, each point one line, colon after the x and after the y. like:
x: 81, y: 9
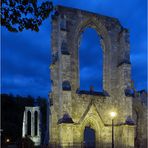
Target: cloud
x: 25, y: 62
x: 26, y: 56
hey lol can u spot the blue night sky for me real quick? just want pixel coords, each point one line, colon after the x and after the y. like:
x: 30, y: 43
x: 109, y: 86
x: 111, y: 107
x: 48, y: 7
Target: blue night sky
x: 26, y: 56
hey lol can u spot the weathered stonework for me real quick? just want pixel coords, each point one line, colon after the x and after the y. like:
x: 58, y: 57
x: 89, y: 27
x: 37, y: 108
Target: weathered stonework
x: 89, y: 108
x: 140, y: 115
x: 35, y: 136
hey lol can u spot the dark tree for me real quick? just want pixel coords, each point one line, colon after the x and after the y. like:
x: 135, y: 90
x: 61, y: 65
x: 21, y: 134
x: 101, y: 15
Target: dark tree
x: 17, y: 15
x: 12, y: 111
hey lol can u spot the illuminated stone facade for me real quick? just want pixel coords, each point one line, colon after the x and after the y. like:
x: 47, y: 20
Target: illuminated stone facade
x: 140, y: 116
x: 32, y: 129
x: 72, y: 109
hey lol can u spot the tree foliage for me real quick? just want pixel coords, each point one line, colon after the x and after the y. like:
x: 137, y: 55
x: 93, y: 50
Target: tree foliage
x: 17, y: 15
x: 12, y: 111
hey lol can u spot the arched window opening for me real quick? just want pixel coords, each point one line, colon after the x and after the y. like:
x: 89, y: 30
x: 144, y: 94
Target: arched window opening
x: 36, y: 123
x: 29, y: 123
x: 90, y: 61
x: 89, y: 137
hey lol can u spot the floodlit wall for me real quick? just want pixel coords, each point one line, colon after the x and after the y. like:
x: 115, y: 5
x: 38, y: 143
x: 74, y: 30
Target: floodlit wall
x: 34, y: 135
x: 73, y: 109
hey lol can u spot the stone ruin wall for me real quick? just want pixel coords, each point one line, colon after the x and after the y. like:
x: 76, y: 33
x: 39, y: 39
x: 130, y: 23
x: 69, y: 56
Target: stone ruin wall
x: 89, y: 109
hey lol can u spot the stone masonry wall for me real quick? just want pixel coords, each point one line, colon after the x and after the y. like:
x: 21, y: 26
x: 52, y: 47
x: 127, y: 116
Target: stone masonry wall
x: 88, y: 108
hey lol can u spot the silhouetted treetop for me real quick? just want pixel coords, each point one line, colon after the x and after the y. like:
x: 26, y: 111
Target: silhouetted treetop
x: 17, y: 15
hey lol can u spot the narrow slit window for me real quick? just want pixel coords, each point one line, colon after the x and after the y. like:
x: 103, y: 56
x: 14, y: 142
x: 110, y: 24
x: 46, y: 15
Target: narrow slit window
x: 36, y: 123
x: 29, y: 123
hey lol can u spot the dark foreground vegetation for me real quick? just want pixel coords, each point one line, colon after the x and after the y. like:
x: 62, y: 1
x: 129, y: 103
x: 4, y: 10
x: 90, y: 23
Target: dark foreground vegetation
x: 12, y: 109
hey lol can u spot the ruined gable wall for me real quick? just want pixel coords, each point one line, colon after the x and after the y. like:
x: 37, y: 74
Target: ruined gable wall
x: 67, y: 27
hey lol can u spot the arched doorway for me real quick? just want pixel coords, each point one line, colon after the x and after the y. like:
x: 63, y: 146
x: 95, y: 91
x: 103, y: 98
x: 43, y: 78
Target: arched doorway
x: 89, y: 137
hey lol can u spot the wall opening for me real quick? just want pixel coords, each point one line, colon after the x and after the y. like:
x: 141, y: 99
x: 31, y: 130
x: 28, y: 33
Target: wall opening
x: 36, y: 123
x: 90, y: 61
x: 29, y: 123
x: 89, y: 137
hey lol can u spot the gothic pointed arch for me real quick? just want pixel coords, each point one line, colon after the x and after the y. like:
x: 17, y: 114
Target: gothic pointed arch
x: 106, y: 47
x: 65, y: 74
x: 92, y: 123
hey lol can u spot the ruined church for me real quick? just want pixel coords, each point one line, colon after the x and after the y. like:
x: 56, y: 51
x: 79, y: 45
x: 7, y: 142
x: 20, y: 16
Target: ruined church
x: 72, y: 109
